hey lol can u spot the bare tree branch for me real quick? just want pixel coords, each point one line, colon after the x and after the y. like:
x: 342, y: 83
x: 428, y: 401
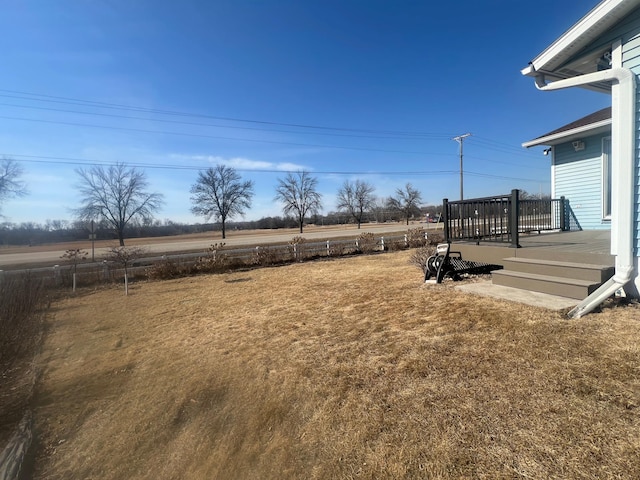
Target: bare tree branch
x: 298, y: 195
x: 117, y: 194
x: 356, y: 199
x: 10, y: 184
x: 406, y: 200
x: 219, y: 193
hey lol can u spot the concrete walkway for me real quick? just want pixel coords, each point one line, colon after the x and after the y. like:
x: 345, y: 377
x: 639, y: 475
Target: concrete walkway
x: 486, y: 289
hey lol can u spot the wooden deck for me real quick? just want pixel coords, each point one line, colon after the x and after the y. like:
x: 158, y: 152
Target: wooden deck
x: 587, y: 246
x: 569, y: 264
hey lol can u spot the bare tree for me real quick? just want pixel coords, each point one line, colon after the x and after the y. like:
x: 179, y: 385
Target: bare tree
x: 524, y: 195
x: 10, y: 183
x: 356, y: 198
x: 116, y: 194
x: 298, y: 195
x: 124, y: 256
x: 74, y: 256
x: 406, y: 200
x: 220, y: 193
x: 380, y: 209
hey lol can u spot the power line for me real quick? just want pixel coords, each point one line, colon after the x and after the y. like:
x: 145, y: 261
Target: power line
x: 501, y: 177
x: 89, y: 162
x: 480, y: 142
x: 217, y: 137
x: 76, y: 101
x: 254, y: 129
x: 112, y: 115
x: 54, y: 160
x: 541, y: 167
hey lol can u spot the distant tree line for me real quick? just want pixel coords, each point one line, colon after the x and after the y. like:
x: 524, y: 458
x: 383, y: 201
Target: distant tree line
x: 56, y: 231
x: 115, y: 203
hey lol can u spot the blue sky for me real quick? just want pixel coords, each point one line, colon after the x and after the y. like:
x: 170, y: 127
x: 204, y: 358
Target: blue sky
x: 173, y: 87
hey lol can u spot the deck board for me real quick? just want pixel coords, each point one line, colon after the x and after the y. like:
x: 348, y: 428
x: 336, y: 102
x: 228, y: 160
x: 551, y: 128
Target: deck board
x: 586, y: 246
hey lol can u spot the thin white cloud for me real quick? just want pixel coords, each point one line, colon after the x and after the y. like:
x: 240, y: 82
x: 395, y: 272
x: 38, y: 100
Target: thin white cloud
x: 246, y: 164
x: 242, y: 163
x: 291, y: 167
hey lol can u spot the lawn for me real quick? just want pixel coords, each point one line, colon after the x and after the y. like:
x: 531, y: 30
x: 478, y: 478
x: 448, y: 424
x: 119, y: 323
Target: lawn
x: 345, y: 368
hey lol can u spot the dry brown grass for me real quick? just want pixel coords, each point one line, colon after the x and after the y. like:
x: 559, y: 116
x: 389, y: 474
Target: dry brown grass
x: 335, y: 369
x: 23, y: 304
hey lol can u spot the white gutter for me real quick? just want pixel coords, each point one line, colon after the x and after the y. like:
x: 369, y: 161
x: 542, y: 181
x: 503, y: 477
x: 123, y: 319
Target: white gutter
x: 623, y: 93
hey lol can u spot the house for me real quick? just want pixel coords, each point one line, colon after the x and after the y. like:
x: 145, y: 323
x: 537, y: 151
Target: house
x: 600, y: 52
x: 581, y: 167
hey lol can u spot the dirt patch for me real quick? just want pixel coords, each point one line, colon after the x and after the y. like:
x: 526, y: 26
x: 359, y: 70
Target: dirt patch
x: 341, y: 369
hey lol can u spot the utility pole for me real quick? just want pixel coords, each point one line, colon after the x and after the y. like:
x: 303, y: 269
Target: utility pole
x: 460, y: 140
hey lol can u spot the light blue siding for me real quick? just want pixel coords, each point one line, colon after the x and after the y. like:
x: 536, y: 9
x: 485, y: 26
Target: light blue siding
x: 628, y: 31
x: 631, y: 60
x: 625, y: 30
x: 578, y: 178
x: 631, y: 51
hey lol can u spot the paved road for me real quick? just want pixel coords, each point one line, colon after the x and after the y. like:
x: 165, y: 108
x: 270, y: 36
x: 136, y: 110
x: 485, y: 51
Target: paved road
x: 49, y: 258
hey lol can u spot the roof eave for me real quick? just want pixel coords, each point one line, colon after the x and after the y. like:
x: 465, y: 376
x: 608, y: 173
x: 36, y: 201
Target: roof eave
x: 568, y: 135
x: 601, y: 17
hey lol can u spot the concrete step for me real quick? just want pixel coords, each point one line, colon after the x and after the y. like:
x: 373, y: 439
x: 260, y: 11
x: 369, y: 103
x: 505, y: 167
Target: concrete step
x: 590, y: 272
x: 553, y: 285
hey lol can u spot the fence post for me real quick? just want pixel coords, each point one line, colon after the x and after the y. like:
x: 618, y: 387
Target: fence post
x: 382, y: 242
x: 56, y: 274
x: 475, y: 225
x: 514, y: 215
x: 328, y: 249
x: 406, y: 241
x: 563, y: 215
x: 445, y: 217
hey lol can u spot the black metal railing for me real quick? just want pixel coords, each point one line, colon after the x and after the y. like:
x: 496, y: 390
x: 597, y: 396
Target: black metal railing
x: 503, y: 218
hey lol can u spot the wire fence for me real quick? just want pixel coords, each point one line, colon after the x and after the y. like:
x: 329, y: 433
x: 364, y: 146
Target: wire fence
x: 219, y: 258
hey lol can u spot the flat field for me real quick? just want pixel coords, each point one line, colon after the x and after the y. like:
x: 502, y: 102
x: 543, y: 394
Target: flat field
x: 345, y: 368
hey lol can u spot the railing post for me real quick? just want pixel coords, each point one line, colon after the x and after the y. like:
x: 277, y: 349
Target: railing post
x: 514, y: 214
x: 563, y: 215
x: 445, y: 218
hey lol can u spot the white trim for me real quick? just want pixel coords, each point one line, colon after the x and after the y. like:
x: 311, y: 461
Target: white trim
x: 599, y: 19
x: 607, y: 184
x: 553, y: 173
x: 616, y: 54
x: 563, y: 136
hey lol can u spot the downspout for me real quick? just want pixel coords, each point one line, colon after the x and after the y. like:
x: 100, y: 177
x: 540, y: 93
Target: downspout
x: 623, y: 104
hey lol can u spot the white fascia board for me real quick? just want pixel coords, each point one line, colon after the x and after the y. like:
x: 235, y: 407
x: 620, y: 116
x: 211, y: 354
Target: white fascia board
x: 567, y: 135
x: 580, y: 34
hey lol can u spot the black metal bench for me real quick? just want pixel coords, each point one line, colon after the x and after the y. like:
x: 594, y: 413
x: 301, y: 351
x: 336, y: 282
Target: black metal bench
x: 449, y: 264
